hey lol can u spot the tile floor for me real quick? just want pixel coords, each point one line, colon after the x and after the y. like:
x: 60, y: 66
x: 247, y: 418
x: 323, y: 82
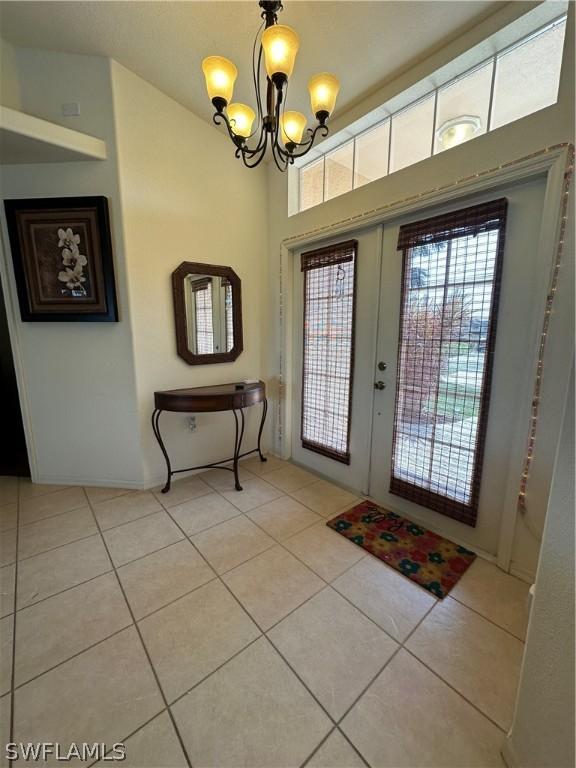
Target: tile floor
x: 208, y: 627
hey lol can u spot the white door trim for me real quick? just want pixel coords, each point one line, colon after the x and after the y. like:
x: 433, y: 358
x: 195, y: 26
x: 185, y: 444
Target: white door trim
x: 551, y: 162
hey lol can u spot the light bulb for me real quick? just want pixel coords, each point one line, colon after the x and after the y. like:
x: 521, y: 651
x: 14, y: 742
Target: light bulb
x: 220, y: 76
x: 323, y: 90
x: 280, y: 44
x: 292, y: 126
x: 241, y: 118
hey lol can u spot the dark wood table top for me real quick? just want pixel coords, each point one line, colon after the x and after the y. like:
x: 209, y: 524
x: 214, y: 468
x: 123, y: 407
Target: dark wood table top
x: 219, y: 397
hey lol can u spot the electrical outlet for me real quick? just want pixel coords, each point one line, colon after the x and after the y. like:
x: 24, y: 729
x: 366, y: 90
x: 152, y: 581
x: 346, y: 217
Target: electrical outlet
x: 192, y: 426
x: 72, y: 109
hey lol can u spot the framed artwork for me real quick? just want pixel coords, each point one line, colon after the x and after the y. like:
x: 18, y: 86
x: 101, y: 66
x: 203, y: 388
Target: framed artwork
x: 62, y: 254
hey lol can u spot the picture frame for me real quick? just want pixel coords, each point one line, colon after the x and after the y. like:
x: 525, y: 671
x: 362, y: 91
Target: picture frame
x: 62, y: 255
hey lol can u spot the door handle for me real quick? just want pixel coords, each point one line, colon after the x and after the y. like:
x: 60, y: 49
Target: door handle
x: 379, y: 385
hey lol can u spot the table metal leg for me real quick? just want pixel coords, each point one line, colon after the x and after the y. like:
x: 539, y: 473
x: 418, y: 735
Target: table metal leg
x: 238, y: 444
x: 156, y: 428
x: 262, y: 420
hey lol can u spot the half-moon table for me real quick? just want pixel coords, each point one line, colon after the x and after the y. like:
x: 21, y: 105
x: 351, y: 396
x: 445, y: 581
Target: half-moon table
x: 222, y: 397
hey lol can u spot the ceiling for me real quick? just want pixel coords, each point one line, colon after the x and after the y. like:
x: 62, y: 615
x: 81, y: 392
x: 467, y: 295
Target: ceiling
x: 364, y: 43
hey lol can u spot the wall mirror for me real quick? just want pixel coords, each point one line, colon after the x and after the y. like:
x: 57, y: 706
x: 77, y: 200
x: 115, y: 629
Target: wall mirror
x: 208, y: 313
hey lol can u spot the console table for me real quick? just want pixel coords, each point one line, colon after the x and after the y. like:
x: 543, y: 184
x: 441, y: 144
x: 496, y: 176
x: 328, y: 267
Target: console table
x: 222, y: 397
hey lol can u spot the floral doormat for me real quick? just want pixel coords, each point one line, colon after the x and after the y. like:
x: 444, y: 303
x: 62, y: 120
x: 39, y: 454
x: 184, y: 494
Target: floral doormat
x: 430, y: 560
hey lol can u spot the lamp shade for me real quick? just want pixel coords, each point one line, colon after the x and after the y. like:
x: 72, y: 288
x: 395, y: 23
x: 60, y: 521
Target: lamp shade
x: 323, y: 91
x: 241, y: 118
x: 292, y: 126
x: 280, y: 44
x: 220, y: 76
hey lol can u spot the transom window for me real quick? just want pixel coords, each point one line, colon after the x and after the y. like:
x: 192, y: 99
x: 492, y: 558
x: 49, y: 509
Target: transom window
x: 515, y: 82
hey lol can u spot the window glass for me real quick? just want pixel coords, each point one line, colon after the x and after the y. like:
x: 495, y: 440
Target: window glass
x: 445, y: 350
x: 527, y: 76
x: 312, y: 184
x: 327, y: 369
x: 371, y: 160
x: 339, y: 170
x: 469, y: 98
x: 513, y: 84
x: 412, y: 134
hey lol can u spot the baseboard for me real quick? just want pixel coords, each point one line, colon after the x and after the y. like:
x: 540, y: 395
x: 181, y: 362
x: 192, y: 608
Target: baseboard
x: 130, y: 485
x: 522, y: 573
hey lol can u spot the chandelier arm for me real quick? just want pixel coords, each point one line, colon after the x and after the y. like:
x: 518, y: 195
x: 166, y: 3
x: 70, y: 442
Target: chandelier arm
x: 259, y: 153
x: 256, y: 68
x: 219, y: 118
x: 280, y: 162
x: 241, y: 148
x: 307, y: 146
x: 281, y: 158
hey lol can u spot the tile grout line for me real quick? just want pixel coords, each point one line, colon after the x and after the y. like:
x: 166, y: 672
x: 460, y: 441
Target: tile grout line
x: 52, y: 549
x: 240, y: 512
x: 400, y: 644
x: 62, y: 591
x: 127, y: 626
x: 263, y: 633
x: 217, y: 669
x: 205, y: 559
x: 315, y: 750
x: 74, y: 656
x: 508, y: 632
x: 143, y: 645
x: 124, y: 739
x: 13, y: 670
x: 368, y: 554
x: 459, y: 693
x: 354, y: 747
x: 51, y: 517
x: 97, y: 576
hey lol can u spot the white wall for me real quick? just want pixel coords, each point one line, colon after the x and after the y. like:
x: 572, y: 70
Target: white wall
x: 542, y: 733
x: 543, y: 129
x: 185, y: 197
x: 77, y: 379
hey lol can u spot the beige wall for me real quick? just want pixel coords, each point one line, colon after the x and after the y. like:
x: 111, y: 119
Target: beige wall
x: 542, y: 733
x: 185, y: 197
x: 77, y: 380
x: 545, y: 128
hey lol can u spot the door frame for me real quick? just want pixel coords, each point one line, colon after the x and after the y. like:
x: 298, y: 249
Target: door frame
x: 551, y: 162
x: 14, y: 334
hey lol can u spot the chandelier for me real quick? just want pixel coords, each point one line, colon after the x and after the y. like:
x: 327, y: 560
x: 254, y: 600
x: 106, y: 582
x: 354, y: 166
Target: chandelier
x: 282, y: 129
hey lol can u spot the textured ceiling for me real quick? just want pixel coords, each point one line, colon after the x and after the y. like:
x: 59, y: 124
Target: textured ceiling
x: 364, y: 43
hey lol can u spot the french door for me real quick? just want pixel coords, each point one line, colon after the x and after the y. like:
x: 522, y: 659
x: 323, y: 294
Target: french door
x: 382, y: 450
x: 319, y: 394
x: 402, y: 445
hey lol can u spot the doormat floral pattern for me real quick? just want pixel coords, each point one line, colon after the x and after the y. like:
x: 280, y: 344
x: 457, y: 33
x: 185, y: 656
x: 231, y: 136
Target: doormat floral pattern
x: 430, y: 560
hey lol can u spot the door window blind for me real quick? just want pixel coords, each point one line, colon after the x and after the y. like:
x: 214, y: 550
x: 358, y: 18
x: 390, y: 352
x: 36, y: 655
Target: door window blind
x: 204, y: 320
x: 452, y: 268
x: 328, y: 349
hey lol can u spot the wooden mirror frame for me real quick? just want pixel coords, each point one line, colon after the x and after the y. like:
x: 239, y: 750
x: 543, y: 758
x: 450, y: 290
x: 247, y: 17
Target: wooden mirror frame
x: 178, y: 277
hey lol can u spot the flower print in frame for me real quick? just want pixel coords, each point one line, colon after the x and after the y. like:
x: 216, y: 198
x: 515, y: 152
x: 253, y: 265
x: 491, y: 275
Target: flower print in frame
x: 62, y: 254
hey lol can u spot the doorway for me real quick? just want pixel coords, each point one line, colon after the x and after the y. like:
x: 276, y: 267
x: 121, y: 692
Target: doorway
x: 375, y: 396
x: 13, y: 452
